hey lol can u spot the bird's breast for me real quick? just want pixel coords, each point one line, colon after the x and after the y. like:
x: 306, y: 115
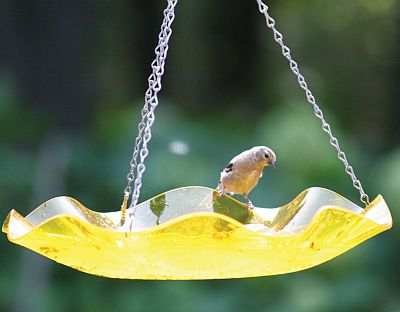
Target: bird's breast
x: 240, y: 183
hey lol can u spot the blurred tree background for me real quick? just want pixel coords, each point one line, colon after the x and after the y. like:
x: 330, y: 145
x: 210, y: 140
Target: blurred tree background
x: 72, y: 79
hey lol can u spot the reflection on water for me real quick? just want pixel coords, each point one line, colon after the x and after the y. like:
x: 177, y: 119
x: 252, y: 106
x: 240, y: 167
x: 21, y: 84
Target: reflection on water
x: 175, y: 203
x: 187, y: 200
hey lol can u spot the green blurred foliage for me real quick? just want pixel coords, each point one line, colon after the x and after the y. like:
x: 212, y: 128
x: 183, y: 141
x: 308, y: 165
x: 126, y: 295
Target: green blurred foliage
x: 226, y: 88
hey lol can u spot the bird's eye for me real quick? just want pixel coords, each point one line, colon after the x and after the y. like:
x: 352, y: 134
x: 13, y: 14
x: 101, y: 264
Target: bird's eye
x: 266, y: 156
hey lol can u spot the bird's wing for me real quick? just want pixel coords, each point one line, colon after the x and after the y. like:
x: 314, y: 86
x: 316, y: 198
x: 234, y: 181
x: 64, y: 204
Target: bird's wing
x: 229, y: 168
x: 238, y: 162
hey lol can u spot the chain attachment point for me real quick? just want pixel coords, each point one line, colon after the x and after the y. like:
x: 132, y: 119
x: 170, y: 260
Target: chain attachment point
x: 124, y: 207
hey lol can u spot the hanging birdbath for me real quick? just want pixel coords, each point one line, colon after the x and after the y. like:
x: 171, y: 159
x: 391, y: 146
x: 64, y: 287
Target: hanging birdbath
x: 198, y: 232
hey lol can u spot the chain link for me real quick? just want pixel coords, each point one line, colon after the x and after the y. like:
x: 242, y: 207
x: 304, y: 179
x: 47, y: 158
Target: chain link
x: 278, y: 37
x: 140, y: 151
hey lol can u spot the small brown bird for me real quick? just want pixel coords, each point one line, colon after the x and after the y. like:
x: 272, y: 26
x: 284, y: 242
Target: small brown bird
x: 243, y: 172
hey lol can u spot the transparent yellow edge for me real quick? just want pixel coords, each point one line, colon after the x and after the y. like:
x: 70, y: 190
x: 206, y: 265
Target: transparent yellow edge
x: 197, y: 246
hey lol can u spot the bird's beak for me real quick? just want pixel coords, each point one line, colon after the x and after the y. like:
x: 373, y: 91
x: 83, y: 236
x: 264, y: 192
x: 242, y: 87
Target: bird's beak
x: 273, y: 163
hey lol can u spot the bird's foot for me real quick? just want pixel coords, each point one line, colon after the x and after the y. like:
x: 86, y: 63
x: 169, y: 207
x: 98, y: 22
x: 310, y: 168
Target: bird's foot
x: 250, y: 204
x: 220, y: 190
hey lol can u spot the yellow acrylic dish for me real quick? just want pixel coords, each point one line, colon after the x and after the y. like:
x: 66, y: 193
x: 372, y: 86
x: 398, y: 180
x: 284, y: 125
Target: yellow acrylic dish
x: 191, y: 233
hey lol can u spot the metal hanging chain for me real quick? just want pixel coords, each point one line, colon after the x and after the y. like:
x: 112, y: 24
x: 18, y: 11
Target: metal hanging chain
x: 140, y: 152
x: 278, y: 37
